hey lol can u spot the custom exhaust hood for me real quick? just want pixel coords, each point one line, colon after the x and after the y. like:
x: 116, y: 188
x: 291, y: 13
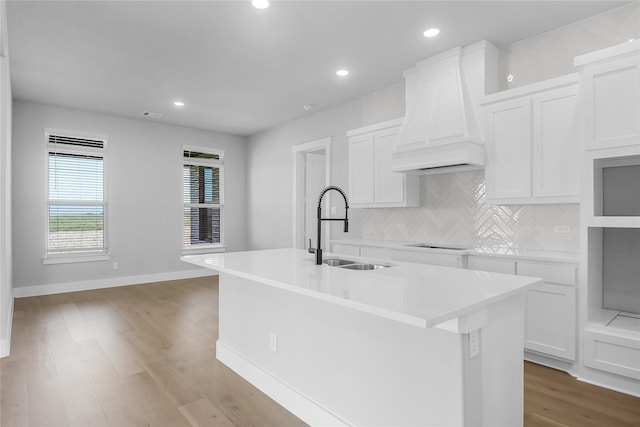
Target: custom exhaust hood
x: 443, y: 130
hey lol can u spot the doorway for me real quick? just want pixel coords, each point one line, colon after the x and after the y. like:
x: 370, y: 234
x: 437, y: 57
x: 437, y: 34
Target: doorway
x: 311, y: 174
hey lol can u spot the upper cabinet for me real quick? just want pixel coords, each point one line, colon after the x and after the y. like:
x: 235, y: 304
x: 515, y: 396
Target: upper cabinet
x: 371, y: 181
x: 611, y: 90
x: 533, y: 143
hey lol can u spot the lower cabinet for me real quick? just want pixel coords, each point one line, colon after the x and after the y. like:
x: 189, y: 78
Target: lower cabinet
x: 550, y: 320
x: 550, y: 307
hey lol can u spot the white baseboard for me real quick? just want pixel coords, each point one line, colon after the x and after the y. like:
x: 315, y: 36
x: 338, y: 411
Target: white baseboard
x: 611, y: 381
x: 5, y: 343
x: 87, y: 285
x: 296, y: 403
x: 551, y: 362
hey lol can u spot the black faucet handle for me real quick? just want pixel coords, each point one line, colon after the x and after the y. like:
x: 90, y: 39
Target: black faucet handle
x: 311, y: 250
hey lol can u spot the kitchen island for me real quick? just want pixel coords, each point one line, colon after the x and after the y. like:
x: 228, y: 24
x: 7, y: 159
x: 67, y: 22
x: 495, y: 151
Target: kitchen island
x: 407, y: 345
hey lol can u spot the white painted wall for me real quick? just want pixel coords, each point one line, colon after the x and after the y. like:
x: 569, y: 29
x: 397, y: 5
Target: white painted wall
x: 270, y: 170
x: 144, y: 166
x: 6, y: 292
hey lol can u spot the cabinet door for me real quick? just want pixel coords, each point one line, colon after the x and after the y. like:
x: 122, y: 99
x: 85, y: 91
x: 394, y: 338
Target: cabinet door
x: 508, y: 169
x: 612, y: 104
x: 556, y: 143
x: 550, y: 315
x: 389, y: 186
x: 361, y: 169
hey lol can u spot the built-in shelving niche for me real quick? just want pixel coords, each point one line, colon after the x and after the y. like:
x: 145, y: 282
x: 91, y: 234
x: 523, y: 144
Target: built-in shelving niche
x: 614, y: 244
x: 612, y: 333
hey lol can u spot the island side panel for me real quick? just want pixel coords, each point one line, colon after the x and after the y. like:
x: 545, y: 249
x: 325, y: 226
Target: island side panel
x: 363, y: 369
x: 502, y: 356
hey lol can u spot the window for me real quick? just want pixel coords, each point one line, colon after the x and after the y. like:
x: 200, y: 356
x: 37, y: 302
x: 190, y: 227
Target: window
x: 76, y: 203
x: 203, y: 190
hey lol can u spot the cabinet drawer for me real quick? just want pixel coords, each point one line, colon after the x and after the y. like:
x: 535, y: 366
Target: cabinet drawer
x: 553, y: 273
x: 493, y: 265
x: 620, y: 355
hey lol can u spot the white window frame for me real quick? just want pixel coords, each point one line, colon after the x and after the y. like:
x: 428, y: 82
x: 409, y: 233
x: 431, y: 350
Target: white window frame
x: 205, y: 247
x: 61, y: 258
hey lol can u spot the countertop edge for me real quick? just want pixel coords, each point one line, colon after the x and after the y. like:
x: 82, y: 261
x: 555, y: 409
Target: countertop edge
x: 363, y: 307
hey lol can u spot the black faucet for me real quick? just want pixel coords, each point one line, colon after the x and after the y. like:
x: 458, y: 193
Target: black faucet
x: 318, y: 250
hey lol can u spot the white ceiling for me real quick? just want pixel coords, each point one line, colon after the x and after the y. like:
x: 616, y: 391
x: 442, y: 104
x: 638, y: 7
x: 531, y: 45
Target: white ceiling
x: 242, y: 70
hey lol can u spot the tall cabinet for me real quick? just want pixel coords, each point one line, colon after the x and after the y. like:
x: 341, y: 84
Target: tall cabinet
x: 610, y: 217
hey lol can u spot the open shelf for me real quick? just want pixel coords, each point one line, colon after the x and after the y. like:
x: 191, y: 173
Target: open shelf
x: 614, y: 221
x: 616, y: 187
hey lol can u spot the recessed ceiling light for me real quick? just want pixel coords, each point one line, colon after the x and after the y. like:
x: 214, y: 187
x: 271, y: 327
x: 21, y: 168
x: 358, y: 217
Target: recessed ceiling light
x: 178, y: 104
x: 431, y: 32
x: 342, y: 73
x: 260, y: 4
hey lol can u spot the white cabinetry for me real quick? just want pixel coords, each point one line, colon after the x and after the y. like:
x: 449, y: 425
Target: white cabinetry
x: 533, y: 143
x: 550, y: 310
x: 610, y: 217
x: 611, y: 85
x: 371, y: 181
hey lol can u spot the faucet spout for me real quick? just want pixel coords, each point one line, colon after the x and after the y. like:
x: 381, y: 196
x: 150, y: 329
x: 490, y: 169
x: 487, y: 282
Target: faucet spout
x: 320, y: 219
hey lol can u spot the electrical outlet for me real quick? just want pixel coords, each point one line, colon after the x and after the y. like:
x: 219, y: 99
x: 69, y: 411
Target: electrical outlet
x: 274, y: 343
x: 563, y: 229
x: 474, y: 344
x: 115, y: 265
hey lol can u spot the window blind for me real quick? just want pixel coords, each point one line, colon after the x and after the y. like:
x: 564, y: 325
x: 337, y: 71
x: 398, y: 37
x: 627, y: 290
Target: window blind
x: 76, y: 205
x: 203, y: 194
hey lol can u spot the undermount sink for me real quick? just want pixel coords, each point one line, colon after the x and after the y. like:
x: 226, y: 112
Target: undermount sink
x: 337, y: 262
x: 352, y: 265
x: 363, y: 266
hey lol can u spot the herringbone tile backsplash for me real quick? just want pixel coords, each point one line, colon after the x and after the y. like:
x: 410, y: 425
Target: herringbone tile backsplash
x: 453, y: 211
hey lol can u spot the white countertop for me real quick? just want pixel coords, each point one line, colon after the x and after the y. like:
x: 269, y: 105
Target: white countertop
x: 417, y: 294
x: 523, y: 254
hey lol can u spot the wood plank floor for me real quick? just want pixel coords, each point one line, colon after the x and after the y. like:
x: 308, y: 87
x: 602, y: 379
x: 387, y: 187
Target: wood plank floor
x: 145, y: 356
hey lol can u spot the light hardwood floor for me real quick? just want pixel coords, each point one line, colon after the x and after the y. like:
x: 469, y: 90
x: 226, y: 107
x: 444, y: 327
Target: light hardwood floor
x: 145, y: 355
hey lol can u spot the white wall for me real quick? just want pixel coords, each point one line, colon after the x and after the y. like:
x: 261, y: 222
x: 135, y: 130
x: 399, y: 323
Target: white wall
x: 6, y: 292
x: 551, y: 54
x: 270, y: 174
x: 144, y: 167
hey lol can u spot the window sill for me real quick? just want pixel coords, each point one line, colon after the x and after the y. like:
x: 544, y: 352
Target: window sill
x: 75, y: 258
x: 204, y: 249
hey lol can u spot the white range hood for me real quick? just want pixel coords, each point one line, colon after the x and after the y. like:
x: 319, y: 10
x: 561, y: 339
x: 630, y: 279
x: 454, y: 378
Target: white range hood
x: 443, y: 130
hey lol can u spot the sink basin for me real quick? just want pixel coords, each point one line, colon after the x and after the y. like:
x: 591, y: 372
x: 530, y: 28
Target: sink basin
x: 352, y: 265
x: 362, y: 266
x: 337, y: 262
